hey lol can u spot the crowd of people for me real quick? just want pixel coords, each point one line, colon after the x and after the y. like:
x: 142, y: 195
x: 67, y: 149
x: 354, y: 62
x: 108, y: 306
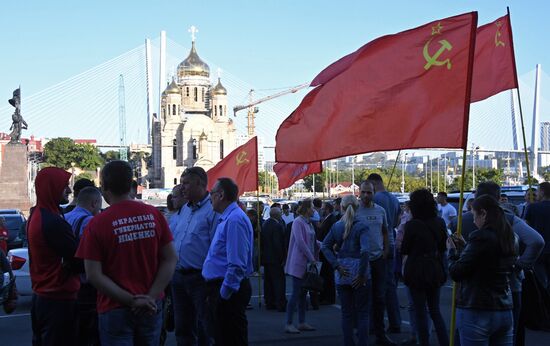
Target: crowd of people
x: 128, y: 274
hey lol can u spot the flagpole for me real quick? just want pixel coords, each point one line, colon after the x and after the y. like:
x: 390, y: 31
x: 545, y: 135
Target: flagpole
x: 459, y: 232
x: 393, y: 169
x: 519, y: 104
x: 464, y: 153
x: 259, y: 248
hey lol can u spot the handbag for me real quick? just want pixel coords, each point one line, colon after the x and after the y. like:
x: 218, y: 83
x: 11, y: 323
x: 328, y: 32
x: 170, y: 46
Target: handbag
x: 312, y: 281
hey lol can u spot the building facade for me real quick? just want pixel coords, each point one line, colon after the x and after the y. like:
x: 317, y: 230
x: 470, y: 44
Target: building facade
x: 193, y: 127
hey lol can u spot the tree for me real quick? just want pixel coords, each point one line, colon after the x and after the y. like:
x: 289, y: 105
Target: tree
x: 63, y: 152
x: 482, y: 175
x: 111, y: 155
x: 319, y: 182
x: 88, y: 157
x: 85, y: 175
x: 59, y: 152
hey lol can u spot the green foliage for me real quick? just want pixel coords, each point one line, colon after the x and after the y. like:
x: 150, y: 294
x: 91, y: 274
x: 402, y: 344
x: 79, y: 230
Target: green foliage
x: 85, y: 175
x: 62, y: 152
x: 320, y: 184
x: 59, y: 152
x: 87, y: 157
x: 111, y: 155
x: 534, y: 181
x: 482, y: 174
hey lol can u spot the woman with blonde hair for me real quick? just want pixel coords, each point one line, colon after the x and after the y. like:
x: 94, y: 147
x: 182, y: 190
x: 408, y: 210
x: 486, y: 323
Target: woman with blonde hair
x: 350, y: 235
x: 302, y: 250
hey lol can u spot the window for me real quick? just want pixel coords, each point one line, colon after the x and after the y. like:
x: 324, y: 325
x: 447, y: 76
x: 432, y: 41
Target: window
x: 196, y: 94
x: 173, y: 109
x: 221, y: 111
x: 175, y: 181
x: 215, y: 111
x: 221, y: 149
x: 175, y: 149
x: 187, y: 92
x: 202, y: 94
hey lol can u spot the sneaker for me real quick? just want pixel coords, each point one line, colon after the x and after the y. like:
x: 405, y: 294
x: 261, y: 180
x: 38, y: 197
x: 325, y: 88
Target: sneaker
x: 290, y: 329
x: 305, y: 327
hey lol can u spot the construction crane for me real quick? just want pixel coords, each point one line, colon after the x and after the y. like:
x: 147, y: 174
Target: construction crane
x: 123, y: 150
x: 251, y: 114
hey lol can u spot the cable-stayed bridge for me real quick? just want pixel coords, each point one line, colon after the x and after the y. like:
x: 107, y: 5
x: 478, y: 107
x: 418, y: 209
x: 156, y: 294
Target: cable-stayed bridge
x: 87, y: 105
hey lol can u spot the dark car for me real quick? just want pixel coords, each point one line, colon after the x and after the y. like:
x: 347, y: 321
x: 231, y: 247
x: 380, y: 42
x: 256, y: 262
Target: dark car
x: 13, y: 223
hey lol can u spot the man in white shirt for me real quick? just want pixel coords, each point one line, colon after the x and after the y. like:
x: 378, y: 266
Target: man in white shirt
x: 288, y: 217
x: 446, y: 211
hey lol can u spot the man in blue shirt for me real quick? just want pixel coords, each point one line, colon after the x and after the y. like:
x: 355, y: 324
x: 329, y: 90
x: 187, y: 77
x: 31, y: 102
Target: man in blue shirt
x: 88, y: 205
x: 391, y: 205
x: 374, y: 216
x: 228, y: 266
x: 193, y: 229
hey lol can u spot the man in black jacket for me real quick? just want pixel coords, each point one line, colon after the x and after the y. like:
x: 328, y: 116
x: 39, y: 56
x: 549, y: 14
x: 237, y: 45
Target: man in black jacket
x: 273, y: 257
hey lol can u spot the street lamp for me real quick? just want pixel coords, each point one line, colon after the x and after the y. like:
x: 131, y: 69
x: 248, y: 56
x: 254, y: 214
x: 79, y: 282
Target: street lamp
x: 72, y: 173
x: 353, y: 175
x: 474, y: 149
x: 404, y: 163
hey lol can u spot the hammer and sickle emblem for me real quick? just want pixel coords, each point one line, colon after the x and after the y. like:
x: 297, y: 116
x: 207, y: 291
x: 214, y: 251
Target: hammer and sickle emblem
x: 241, y: 158
x: 498, y: 42
x: 432, y: 60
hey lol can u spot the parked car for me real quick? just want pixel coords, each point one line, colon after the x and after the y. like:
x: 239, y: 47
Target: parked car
x: 19, y: 260
x: 13, y: 223
x: 10, y: 211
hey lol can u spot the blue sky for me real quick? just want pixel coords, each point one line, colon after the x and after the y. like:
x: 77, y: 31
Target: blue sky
x: 269, y: 44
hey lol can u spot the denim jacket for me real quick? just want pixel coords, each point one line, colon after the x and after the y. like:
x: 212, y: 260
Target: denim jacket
x: 354, y: 251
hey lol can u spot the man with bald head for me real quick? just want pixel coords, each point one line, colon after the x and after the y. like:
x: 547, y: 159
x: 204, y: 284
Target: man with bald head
x: 272, y: 258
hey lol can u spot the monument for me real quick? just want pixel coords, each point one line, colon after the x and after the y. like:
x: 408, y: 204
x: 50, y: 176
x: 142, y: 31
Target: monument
x: 14, y: 172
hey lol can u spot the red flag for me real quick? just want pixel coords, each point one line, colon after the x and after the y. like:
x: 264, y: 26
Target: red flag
x: 241, y: 165
x: 289, y: 173
x: 494, y: 65
x: 402, y: 91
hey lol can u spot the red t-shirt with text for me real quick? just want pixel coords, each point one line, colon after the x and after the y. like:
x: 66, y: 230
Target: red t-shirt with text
x: 127, y: 239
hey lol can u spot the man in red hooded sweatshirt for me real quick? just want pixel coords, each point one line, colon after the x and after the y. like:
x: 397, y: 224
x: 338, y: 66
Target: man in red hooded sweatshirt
x: 53, y: 268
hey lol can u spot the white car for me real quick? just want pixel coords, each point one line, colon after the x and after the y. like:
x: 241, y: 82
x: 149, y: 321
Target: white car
x: 19, y: 260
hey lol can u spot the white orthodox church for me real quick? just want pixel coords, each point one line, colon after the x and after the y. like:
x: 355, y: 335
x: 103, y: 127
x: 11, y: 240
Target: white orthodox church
x: 193, y: 128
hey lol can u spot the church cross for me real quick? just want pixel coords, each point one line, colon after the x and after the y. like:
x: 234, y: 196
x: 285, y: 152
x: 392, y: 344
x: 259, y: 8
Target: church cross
x: 193, y: 30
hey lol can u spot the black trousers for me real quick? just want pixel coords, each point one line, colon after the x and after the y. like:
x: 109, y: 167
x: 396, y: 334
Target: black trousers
x: 88, y: 330
x: 328, y: 294
x: 274, y: 286
x: 54, y: 322
x: 227, y: 318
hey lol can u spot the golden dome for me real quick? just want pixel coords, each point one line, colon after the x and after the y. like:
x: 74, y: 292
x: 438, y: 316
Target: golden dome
x: 203, y: 135
x: 193, y: 65
x: 172, y: 88
x: 219, y: 89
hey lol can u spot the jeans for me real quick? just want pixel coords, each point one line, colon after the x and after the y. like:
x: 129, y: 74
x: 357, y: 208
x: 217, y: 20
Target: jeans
x: 355, y: 303
x: 189, y: 296
x: 412, y: 317
x: 392, y: 302
x: 298, y: 298
x: 422, y: 297
x: 53, y: 321
x: 484, y: 327
x: 121, y: 327
x: 378, y: 271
